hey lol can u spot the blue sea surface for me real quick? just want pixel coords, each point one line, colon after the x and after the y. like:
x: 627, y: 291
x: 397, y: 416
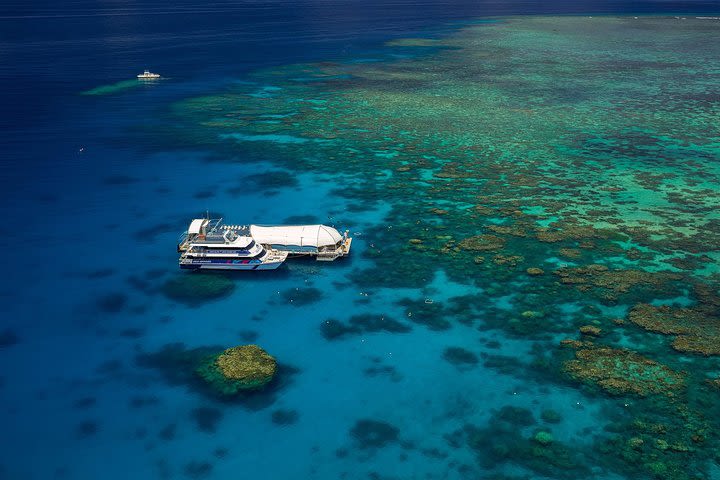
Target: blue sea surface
x: 90, y: 220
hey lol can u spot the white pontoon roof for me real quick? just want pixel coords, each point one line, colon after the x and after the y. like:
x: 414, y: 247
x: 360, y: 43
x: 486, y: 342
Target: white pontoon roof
x: 300, y: 235
x: 196, y: 225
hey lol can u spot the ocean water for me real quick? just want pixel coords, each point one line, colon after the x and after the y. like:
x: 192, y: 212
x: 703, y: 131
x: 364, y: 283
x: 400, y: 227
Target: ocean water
x: 532, y: 188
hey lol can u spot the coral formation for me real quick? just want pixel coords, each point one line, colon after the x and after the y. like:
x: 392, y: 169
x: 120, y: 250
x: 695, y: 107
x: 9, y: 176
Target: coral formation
x: 550, y: 416
x: 482, y: 243
x: 503, y: 443
x: 543, y: 437
x: 613, y: 281
x: 515, y: 416
x: 299, y: 297
x: 432, y: 315
x: 619, y: 371
x: 247, y: 367
x: 197, y: 288
x: 696, y: 330
x: 8, y: 338
x: 206, y: 418
x: 370, y: 433
x: 285, y: 417
x: 333, y: 329
x: 460, y: 357
x: 590, y: 330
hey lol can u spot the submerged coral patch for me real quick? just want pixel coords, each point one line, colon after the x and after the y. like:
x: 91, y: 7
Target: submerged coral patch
x: 301, y: 296
x: 516, y: 416
x: 87, y: 428
x: 206, y: 418
x: 285, y: 417
x: 503, y: 443
x: 194, y: 289
x: 8, y: 338
x: 612, y: 282
x: 620, y: 371
x: 369, y: 433
x: 111, y: 302
x: 482, y: 243
x: 175, y: 362
x: 197, y: 469
x: 460, y: 357
x: 333, y: 329
x: 696, y: 330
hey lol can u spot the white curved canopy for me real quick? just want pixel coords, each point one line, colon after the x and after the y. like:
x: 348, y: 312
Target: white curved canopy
x: 299, y: 235
x: 196, y: 225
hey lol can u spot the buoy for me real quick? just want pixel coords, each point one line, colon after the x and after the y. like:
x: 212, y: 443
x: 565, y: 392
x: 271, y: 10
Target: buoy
x: 428, y: 300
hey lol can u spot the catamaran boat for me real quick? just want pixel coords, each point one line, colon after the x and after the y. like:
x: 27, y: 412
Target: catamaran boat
x: 147, y: 75
x: 209, y: 244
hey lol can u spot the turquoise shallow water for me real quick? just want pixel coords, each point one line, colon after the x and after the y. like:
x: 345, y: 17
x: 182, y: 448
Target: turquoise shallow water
x: 459, y: 163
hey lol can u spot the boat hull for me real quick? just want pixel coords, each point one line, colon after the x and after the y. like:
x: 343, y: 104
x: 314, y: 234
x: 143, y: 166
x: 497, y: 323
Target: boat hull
x: 230, y: 266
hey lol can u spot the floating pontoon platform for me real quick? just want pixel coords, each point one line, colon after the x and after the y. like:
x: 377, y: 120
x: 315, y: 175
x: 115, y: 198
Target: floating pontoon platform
x: 324, y: 243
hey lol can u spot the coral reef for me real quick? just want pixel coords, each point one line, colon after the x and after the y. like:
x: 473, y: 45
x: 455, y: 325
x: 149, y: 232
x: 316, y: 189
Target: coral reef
x: 620, y: 372
x: 285, y: 417
x: 550, y: 416
x: 696, y: 330
x: 590, y: 330
x: 247, y: 367
x: 502, y: 443
x: 482, y: 243
x: 175, y: 361
x: 8, y: 338
x: 470, y: 165
x: 111, y: 302
x: 515, y: 416
x: 333, y: 329
x: 460, y: 357
x: 206, y: 418
x: 613, y: 282
x: 195, y: 288
x: 300, y: 297
x: 370, y: 433
x: 197, y: 470
x: 432, y: 315
x: 87, y: 428
x: 543, y: 437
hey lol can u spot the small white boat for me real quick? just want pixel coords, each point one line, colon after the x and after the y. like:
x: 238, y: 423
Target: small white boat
x: 148, y: 75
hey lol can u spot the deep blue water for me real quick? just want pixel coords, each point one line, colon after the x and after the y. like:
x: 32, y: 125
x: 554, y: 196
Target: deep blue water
x: 85, y: 213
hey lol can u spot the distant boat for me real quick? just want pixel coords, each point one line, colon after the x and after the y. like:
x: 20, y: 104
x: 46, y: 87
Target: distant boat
x: 147, y: 75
